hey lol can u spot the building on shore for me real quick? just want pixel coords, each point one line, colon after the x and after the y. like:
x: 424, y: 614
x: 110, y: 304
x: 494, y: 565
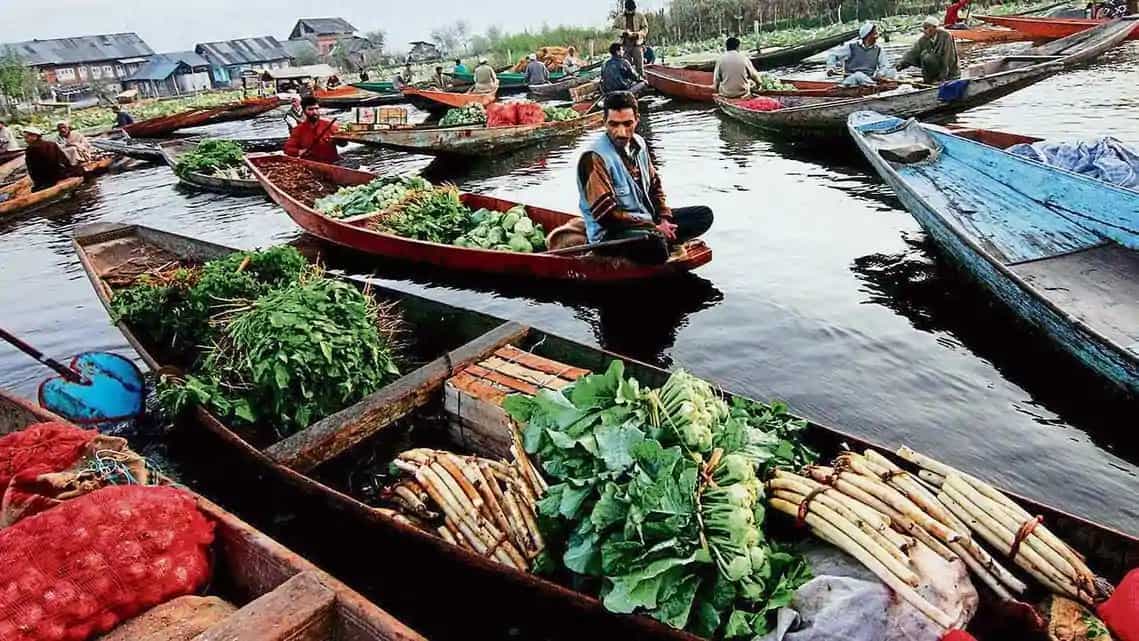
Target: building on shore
x: 301, y: 52
x: 229, y: 58
x: 77, y: 69
x: 323, y: 32
x: 171, y: 74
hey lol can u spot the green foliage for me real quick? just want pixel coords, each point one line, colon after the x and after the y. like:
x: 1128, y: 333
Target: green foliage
x: 296, y: 355
x: 560, y: 114
x: 101, y: 116
x: 378, y: 195
x: 473, y: 114
x: 510, y: 231
x: 656, y: 494
x: 436, y: 215
x: 209, y: 157
x: 15, y: 77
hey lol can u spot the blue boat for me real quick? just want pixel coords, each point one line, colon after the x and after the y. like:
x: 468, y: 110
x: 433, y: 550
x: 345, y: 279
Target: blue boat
x: 1060, y: 249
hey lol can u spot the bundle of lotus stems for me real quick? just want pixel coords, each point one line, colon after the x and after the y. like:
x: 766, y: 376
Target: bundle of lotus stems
x: 484, y: 505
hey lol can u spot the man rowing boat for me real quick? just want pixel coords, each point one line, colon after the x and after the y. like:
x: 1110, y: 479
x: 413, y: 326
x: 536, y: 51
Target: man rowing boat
x: 312, y: 138
x: 620, y: 193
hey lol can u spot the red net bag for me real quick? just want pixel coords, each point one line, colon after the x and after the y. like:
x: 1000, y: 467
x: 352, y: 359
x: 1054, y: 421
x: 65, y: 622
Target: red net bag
x: 54, y: 446
x: 1121, y: 611
x: 529, y: 113
x: 501, y: 114
x: 761, y: 103
x: 957, y: 635
x: 83, y: 567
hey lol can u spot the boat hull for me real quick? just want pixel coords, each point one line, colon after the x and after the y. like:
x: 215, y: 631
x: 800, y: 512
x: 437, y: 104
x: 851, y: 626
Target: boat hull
x: 989, y: 35
x: 464, y: 260
x: 787, y: 55
x: 439, y: 102
x: 29, y: 201
x: 172, y: 150
x: 154, y: 127
x: 696, y: 86
x: 1049, y: 28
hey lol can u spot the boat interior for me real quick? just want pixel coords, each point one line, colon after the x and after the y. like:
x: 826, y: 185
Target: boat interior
x: 1083, y: 256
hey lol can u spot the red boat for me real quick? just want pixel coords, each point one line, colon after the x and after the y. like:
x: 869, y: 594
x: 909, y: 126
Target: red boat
x: 690, y: 84
x: 355, y: 234
x: 438, y: 102
x: 989, y: 35
x: 154, y: 127
x: 1051, y: 28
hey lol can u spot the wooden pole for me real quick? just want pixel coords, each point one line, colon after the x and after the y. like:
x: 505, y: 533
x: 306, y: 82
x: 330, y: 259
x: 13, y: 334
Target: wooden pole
x: 1132, y: 6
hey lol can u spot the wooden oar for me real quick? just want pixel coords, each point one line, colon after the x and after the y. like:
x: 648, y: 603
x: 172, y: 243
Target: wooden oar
x: 61, y: 369
x: 604, y: 244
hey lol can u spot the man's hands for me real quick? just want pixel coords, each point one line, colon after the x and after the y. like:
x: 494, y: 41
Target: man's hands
x: 668, y: 229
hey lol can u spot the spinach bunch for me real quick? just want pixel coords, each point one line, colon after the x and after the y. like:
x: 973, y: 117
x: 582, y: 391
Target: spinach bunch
x: 655, y: 496
x: 210, y: 156
x: 371, y: 197
x: 436, y: 215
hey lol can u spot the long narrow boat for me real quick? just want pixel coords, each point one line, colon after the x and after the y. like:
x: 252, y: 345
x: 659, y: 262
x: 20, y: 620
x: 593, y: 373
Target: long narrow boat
x: 352, y: 96
x: 988, y: 35
x: 246, y: 109
x: 822, y: 117
x: 172, y: 150
x: 560, y: 89
x: 471, y: 140
x: 355, y: 233
x: 508, y: 81
x: 154, y: 127
x: 438, y: 102
x: 1049, y: 28
x: 462, y: 339
x: 1060, y: 249
x: 269, y: 583
x: 696, y: 86
x: 22, y: 200
x: 149, y: 151
x: 784, y: 56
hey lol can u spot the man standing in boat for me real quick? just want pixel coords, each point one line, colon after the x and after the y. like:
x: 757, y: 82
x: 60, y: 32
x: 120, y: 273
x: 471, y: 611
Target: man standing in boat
x: 935, y: 52
x: 618, y: 75
x: 46, y: 162
x: 486, y: 81
x: 861, y: 61
x: 620, y: 193
x: 734, y: 72
x: 633, y: 28
x: 312, y: 139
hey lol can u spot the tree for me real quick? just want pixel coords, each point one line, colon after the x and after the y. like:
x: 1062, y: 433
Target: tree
x: 307, y: 56
x: 453, y: 38
x: 16, y: 79
x: 378, y: 38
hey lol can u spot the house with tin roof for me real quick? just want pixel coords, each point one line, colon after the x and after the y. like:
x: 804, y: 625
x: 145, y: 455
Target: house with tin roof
x: 73, y: 68
x: 229, y: 58
x: 323, y: 32
x: 171, y: 74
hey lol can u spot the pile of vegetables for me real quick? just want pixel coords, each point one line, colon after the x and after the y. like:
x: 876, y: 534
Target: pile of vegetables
x: 435, y: 214
x: 655, y: 499
x: 213, y: 157
x: 101, y: 116
x: 560, y: 114
x: 266, y: 339
x: 510, y: 231
x: 368, y: 198
x: 473, y: 114
x: 771, y: 83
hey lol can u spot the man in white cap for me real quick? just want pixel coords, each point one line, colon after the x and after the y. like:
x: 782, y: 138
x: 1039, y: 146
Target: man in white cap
x: 935, y: 52
x: 536, y: 71
x: 861, y: 61
x: 74, y: 144
x: 486, y: 81
x: 46, y: 162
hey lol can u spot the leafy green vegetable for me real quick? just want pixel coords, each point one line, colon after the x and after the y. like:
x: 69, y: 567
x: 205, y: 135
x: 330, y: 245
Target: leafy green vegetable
x: 655, y: 492
x: 210, y: 157
x: 560, y: 114
x: 473, y: 114
x: 436, y: 215
x: 375, y: 196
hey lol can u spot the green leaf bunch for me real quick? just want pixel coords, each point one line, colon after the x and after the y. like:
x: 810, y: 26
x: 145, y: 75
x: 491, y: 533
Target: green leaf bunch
x: 210, y: 156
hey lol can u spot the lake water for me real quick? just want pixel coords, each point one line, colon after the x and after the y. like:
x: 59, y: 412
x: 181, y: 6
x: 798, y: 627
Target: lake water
x: 823, y: 291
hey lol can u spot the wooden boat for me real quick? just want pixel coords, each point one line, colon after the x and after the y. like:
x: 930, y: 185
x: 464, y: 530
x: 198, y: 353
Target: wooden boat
x: 154, y: 127
x: 245, y: 109
x: 1060, y: 249
x: 98, y: 166
x: 5, y: 156
x: 22, y: 200
x: 696, y: 86
x: 1049, y: 28
x: 265, y: 580
x: 149, y: 151
x: 352, y: 96
x: 462, y: 338
x: 824, y: 117
x: 355, y: 233
x: 993, y: 138
x: 471, y: 140
x: 438, y: 102
x: 560, y: 90
x: 783, y: 56
x: 508, y: 81
x: 174, y: 149
x: 988, y: 35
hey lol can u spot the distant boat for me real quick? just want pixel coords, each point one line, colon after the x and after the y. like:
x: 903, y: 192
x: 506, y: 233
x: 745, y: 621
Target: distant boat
x: 1049, y: 28
x: 1061, y: 250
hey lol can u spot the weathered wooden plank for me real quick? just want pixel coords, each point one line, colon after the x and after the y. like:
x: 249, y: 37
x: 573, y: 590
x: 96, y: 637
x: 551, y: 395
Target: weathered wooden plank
x: 533, y: 361
x: 338, y: 433
x: 510, y: 382
x: 540, y: 379
x: 300, y: 609
x: 477, y: 387
x: 477, y: 425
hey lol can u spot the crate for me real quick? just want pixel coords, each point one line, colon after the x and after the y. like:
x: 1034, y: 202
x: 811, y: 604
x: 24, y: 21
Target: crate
x: 588, y: 91
x: 367, y: 117
x: 473, y: 396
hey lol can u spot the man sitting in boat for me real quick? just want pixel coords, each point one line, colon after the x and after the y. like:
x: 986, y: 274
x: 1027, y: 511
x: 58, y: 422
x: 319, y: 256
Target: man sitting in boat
x: 935, y: 52
x: 621, y: 195
x: 46, y: 162
x: 312, y: 139
x: 536, y: 72
x: 571, y: 63
x: 460, y: 67
x: 122, y: 118
x: 486, y: 81
x: 74, y: 144
x: 863, y: 60
x: 295, y: 115
x: 734, y: 72
x: 618, y: 75
x: 7, y: 138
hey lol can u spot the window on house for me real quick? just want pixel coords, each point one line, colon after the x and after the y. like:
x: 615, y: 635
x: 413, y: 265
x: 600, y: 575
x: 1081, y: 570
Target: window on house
x: 82, y: 73
x: 65, y: 73
x: 96, y: 73
x: 108, y: 70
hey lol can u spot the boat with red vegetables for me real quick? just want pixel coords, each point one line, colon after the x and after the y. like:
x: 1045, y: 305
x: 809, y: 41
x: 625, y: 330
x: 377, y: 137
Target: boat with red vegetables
x: 471, y: 361
x: 294, y: 184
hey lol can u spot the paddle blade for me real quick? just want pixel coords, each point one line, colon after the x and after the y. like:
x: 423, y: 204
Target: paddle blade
x: 114, y: 391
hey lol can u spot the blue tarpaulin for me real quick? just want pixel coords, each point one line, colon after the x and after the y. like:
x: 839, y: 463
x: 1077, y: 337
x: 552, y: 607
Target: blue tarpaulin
x: 1106, y: 159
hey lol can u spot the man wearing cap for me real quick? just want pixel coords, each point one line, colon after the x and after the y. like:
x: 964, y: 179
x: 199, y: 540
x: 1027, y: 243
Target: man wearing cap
x: 74, y: 144
x: 935, y: 52
x: 862, y: 60
x: 122, y: 118
x: 46, y: 162
x: 7, y: 138
x: 536, y: 72
x: 486, y: 81
x: 312, y: 139
x: 633, y: 28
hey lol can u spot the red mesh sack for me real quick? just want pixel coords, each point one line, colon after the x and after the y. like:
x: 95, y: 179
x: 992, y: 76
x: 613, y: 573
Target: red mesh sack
x: 761, y: 103
x: 957, y: 635
x: 1121, y: 612
x: 83, y: 567
x: 529, y: 113
x: 501, y: 114
x: 55, y: 446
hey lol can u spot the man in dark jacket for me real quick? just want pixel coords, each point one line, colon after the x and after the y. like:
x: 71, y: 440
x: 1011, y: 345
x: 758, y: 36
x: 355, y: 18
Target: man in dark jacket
x: 618, y: 75
x: 935, y: 52
x: 46, y: 162
x: 122, y: 118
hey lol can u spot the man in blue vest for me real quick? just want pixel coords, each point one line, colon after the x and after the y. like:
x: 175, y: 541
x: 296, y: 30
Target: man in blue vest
x: 862, y: 61
x: 621, y: 195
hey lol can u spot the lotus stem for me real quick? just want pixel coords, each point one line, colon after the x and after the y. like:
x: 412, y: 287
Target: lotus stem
x: 932, y: 478
x: 798, y: 483
x: 855, y: 528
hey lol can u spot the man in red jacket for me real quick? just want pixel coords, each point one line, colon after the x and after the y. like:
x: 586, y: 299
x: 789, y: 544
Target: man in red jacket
x: 312, y: 138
